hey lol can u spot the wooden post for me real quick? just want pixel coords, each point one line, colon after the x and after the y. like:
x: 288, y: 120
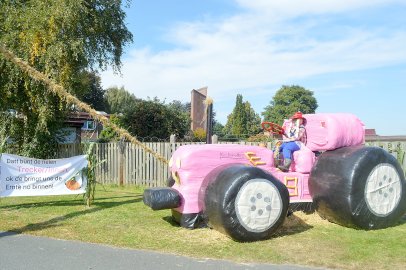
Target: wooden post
x: 172, y: 138
x: 214, y: 139
x: 121, y: 146
x: 172, y: 141
x: 209, y: 123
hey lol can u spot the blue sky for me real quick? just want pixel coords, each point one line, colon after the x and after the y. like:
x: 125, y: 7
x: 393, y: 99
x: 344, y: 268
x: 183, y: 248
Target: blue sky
x: 350, y: 53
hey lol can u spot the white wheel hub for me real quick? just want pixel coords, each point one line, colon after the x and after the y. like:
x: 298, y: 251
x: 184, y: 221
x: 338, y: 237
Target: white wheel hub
x: 383, y: 189
x: 258, y: 205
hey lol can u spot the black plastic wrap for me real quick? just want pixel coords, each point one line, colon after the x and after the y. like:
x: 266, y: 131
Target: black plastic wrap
x: 162, y: 198
x: 220, y: 199
x: 170, y: 181
x: 189, y: 221
x: 338, y: 181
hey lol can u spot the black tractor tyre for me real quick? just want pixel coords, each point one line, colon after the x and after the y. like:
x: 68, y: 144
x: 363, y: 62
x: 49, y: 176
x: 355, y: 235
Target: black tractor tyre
x: 170, y: 182
x: 359, y: 187
x: 246, y: 203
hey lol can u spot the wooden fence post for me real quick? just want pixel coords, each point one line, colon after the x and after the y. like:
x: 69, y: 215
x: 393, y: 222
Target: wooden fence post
x: 214, y: 139
x: 121, y: 146
x: 172, y: 141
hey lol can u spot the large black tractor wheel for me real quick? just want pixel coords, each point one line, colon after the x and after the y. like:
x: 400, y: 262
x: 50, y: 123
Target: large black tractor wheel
x: 361, y: 187
x: 245, y: 203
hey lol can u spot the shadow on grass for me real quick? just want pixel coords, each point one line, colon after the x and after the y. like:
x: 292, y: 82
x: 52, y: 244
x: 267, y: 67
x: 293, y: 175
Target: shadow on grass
x: 77, y: 201
x: 54, y: 222
x: 292, y: 225
x: 171, y: 221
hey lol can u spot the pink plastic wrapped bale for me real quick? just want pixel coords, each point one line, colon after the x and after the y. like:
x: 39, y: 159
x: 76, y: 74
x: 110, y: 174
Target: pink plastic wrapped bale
x: 329, y: 131
x: 303, y: 160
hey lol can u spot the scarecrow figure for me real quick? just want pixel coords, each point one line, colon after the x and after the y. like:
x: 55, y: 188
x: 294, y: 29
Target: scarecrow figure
x: 294, y: 138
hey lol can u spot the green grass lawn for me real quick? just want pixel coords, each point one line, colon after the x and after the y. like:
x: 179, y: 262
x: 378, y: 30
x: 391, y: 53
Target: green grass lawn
x: 118, y: 217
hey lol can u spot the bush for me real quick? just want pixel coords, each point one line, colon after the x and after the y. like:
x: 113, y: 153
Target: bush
x: 260, y: 138
x: 199, y: 134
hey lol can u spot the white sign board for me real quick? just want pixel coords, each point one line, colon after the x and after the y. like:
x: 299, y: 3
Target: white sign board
x: 21, y: 176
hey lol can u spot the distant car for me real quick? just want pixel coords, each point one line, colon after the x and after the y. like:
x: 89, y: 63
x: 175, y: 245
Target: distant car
x: 237, y: 189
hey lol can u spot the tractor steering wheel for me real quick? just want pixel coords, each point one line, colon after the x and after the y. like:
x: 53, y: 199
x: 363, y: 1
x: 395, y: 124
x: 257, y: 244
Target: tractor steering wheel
x: 273, y: 128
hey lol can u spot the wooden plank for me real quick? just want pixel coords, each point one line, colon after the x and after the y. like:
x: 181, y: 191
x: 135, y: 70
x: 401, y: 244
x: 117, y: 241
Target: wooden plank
x: 121, y: 149
x: 111, y: 174
x: 108, y: 163
x: 97, y: 169
x: 142, y: 166
x: 131, y: 163
x: 128, y: 164
x: 152, y: 177
x: 116, y: 163
x: 137, y: 166
x: 168, y: 156
x: 150, y: 166
x: 157, y: 165
x: 105, y: 165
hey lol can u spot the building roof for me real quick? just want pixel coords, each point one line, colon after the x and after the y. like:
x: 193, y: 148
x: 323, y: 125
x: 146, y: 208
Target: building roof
x: 77, y: 119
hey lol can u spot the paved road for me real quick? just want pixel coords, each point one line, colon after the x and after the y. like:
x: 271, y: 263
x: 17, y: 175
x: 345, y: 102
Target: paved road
x: 20, y: 252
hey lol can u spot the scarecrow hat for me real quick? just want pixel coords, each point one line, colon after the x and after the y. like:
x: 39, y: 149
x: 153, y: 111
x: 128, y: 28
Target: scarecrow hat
x: 298, y: 115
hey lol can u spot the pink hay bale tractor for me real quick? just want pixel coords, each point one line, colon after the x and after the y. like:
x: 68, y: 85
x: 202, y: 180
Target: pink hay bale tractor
x: 238, y: 190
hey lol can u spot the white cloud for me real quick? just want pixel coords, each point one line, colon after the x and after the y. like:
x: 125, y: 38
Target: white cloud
x: 252, y: 51
x: 288, y: 8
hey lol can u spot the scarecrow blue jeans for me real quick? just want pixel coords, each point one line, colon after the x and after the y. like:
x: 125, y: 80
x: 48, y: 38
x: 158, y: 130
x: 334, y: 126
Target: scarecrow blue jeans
x: 287, y: 148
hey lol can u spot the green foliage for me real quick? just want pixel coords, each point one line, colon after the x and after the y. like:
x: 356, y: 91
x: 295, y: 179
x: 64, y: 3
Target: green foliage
x: 199, y: 135
x: 62, y: 39
x: 149, y: 119
x: 287, y: 101
x: 29, y: 136
x: 177, y: 105
x: 243, y: 120
x: 88, y: 196
x: 218, y: 128
x: 155, y: 120
x: 108, y: 133
x: 93, y: 91
x: 3, y: 141
x: 119, y: 100
x: 260, y: 138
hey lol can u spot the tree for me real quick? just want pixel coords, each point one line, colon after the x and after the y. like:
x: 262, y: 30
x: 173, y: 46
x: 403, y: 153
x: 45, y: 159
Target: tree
x: 218, y: 128
x: 179, y: 106
x: 119, y: 100
x: 62, y: 39
x: 153, y: 119
x: 178, y: 118
x: 93, y: 91
x: 287, y: 101
x: 243, y: 121
x: 149, y: 119
x: 108, y: 133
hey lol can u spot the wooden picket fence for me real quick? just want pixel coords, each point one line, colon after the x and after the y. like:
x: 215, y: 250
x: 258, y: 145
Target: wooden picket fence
x: 128, y: 164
